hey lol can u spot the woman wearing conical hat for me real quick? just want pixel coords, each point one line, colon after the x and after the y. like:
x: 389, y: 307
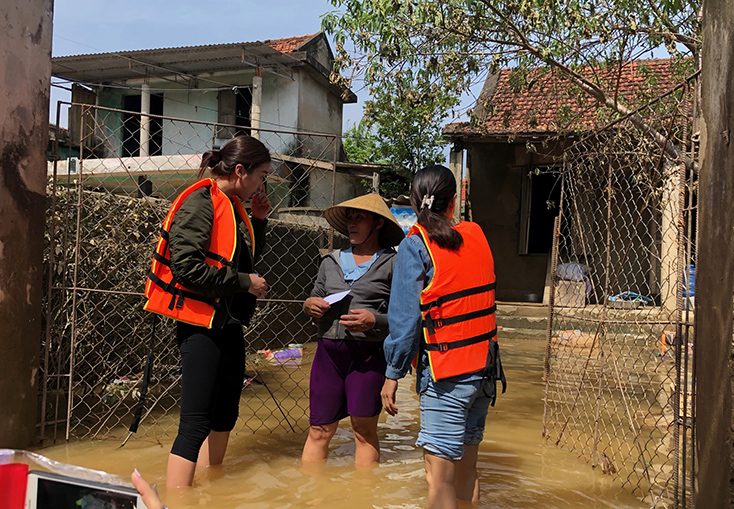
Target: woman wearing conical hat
x: 349, y: 365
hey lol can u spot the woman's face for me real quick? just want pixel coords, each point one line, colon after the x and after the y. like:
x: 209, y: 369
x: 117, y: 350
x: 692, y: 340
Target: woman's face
x: 361, y: 224
x: 249, y: 183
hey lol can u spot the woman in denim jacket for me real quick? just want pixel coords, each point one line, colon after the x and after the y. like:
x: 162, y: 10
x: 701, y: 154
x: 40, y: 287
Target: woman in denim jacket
x: 454, y: 408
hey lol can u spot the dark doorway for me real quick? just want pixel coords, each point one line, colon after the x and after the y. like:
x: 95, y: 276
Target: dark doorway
x: 243, y: 104
x: 542, y: 198
x: 131, y: 126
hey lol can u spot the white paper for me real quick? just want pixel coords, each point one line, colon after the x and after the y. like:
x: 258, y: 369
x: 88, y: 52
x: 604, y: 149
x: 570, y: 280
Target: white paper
x: 336, y: 297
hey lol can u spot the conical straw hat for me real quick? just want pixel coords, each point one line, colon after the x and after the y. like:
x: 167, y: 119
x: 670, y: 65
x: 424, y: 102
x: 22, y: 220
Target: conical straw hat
x: 337, y: 216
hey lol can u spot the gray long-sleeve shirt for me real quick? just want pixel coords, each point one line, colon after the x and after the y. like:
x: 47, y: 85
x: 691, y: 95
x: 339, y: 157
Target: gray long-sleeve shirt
x: 371, y: 292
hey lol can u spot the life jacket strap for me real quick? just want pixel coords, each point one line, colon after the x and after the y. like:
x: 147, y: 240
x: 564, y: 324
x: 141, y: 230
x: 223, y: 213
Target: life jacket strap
x: 161, y: 259
x: 218, y: 258
x: 492, y: 372
x: 445, y: 347
x: 179, y: 294
x: 213, y: 256
x: 432, y: 324
x: 458, y: 295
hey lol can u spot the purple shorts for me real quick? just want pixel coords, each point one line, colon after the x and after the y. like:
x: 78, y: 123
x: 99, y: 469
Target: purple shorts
x: 346, y: 379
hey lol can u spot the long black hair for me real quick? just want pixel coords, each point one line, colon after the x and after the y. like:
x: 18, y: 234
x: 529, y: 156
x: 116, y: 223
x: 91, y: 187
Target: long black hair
x: 244, y: 150
x: 434, y: 188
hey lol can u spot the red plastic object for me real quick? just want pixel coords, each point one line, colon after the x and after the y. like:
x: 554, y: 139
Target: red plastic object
x: 13, y: 481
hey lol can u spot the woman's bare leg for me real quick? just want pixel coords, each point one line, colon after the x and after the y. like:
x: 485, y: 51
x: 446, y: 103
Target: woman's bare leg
x: 317, y: 443
x: 367, y: 445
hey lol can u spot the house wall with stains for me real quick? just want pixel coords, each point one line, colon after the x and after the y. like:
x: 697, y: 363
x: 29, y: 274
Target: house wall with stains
x: 496, y: 172
x: 495, y: 193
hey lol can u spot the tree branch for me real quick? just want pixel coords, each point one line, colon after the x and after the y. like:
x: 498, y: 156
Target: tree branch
x: 692, y: 44
x: 688, y: 42
x: 593, y: 90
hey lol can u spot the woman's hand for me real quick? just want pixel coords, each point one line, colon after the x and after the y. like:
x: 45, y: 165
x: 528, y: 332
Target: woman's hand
x: 147, y: 493
x: 389, y: 389
x: 260, y: 203
x: 316, y: 307
x: 258, y: 286
x: 358, y: 320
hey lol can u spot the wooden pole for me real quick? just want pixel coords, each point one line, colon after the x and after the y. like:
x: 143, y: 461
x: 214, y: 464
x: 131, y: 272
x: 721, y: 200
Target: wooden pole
x: 25, y: 60
x: 715, y: 264
x: 456, y: 165
x: 257, y: 99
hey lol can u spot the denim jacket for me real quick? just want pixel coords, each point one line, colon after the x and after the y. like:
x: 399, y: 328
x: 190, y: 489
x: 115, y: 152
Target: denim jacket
x: 413, y: 271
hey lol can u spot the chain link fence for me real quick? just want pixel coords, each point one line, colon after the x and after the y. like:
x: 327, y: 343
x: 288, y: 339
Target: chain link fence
x: 103, y: 219
x: 619, y: 365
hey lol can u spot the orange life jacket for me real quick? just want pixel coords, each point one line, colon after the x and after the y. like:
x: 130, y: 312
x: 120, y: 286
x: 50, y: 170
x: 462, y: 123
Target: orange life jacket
x: 169, y: 298
x: 457, y: 306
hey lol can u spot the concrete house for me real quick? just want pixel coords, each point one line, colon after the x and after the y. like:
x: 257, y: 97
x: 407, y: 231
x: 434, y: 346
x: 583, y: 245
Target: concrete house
x: 279, y: 90
x: 514, y: 192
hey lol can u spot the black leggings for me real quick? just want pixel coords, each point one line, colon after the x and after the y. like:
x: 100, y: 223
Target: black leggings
x: 213, y: 370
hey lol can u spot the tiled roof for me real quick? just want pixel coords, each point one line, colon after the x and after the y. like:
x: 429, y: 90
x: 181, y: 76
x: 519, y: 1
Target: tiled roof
x: 550, y: 103
x: 289, y: 44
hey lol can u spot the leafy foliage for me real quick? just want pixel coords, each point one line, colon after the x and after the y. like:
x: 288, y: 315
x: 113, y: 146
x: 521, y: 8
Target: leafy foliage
x: 362, y: 145
x: 447, y: 44
x: 401, y: 128
x: 407, y: 113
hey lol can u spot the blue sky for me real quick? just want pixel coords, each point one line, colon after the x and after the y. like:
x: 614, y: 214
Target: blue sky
x: 81, y: 26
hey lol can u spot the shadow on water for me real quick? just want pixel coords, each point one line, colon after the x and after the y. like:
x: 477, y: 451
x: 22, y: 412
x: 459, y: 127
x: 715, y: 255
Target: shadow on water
x: 516, y: 467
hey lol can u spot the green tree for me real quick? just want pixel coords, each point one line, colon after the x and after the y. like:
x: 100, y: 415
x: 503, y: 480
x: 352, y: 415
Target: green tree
x: 401, y: 129
x: 363, y: 146
x: 449, y: 42
x: 406, y: 114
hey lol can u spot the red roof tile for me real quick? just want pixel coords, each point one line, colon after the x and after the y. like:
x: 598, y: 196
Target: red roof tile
x: 289, y: 44
x: 550, y: 103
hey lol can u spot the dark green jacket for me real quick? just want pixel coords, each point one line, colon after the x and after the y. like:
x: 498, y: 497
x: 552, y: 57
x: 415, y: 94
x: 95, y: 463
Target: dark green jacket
x: 189, y: 240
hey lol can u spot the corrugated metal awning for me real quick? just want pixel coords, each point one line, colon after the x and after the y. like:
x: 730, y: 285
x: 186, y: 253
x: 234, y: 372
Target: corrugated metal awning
x: 187, y: 61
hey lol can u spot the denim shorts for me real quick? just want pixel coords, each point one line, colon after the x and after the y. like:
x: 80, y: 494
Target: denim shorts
x: 453, y: 414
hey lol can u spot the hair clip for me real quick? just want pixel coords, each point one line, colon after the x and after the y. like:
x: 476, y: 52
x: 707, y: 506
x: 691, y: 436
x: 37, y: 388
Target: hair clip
x: 427, y: 202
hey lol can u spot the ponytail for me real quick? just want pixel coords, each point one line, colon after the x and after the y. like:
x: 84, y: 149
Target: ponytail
x: 434, y: 187
x: 244, y: 150
x: 210, y: 159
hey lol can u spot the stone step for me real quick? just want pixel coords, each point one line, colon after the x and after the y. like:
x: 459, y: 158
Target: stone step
x: 522, y: 316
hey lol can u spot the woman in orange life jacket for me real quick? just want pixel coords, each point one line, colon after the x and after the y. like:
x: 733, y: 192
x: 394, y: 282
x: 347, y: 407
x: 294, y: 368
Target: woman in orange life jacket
x: 444, y: 275
x: 202, y: 275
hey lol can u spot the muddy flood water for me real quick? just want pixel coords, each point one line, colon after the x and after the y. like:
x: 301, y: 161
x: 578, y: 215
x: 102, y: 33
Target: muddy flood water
x: 516, y: 468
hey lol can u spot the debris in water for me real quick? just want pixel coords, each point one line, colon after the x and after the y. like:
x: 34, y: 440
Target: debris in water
x: 607, y: 467
x: 290, y: 356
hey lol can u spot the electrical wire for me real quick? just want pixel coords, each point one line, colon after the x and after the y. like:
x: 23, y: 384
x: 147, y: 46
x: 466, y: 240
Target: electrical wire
x: 152, y: 90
